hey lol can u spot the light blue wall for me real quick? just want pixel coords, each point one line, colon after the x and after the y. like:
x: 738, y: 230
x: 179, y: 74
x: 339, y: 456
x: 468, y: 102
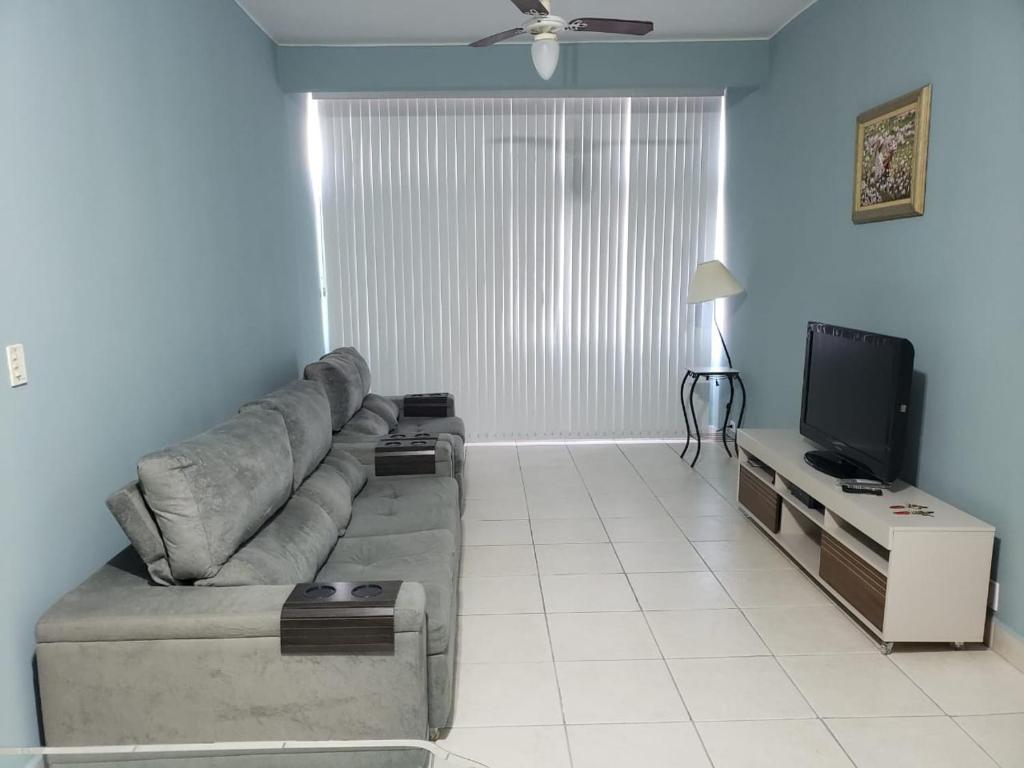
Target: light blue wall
x: 156, y: 259
x: 508, y: 67
x: 949, y: 281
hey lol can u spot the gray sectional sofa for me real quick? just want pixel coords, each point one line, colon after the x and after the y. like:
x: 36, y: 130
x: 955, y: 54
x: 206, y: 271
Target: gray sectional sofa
x: 177, y: 639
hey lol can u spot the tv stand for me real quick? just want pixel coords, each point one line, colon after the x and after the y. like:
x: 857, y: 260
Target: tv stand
x: 835, y: 464
x: 905, y: 577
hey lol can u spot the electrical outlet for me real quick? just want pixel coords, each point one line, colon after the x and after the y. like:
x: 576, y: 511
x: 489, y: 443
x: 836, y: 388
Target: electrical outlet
x: 16, y: 365
x: 993, y: 595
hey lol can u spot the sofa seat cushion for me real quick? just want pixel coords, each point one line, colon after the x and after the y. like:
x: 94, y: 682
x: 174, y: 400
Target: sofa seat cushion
x: 406, y: 505
x: 427, y: 557
x: 288, y: 550
x: 452, y: 425
x: 307, y: 416
x: 211, y: 493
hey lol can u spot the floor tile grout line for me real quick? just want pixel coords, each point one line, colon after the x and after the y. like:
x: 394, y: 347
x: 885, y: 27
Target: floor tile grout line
x: 764, y: 642
x: 668, y: 668
x: 917, y: 685
x: 665, y: 509
x: 717, y: 580
x: 836, y: 739
x: 967, y: 733
x: 547, y: 623
x: 650, y: 629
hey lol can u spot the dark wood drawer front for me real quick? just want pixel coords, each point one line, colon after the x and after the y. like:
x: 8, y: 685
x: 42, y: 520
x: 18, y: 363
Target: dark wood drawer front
x: 861, y: 585
x: 760, y: 500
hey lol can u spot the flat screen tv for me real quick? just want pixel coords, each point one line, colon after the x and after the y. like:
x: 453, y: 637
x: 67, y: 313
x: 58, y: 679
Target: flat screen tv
x: 856, y: 398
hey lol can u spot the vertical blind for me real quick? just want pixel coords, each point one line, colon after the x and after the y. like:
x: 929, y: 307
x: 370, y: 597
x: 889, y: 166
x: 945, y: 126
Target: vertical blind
x: 530, y: 255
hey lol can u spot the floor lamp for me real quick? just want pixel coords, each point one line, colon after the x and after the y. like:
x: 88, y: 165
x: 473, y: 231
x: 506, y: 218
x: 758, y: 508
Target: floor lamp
x: 712, y: 280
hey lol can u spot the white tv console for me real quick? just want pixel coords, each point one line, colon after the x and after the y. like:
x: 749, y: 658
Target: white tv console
x: 907, y: 578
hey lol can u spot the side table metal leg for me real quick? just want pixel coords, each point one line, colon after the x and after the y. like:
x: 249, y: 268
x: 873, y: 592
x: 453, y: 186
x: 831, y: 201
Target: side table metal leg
x: 696, y: 426
x: 686, y: 416
x: 743, y: 408
x: 728, y: 413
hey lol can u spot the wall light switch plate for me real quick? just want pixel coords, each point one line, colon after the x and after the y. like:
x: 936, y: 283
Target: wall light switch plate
x: 16, y: 365
x: 993, y: 595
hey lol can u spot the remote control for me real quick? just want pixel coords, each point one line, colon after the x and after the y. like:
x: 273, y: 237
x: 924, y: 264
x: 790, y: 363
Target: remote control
x: 862, y: 489
x: 864, y: 482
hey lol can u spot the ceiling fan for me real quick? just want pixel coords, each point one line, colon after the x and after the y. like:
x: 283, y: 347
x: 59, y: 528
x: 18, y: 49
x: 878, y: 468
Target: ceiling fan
x: 545, y: 27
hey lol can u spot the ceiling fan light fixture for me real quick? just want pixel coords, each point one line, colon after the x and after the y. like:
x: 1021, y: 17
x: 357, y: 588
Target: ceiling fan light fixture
x: 545, y: 54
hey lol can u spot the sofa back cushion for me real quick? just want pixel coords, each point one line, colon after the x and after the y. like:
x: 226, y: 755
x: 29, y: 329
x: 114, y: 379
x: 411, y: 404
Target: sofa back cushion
x: 344, y: 386
x: 352, y: 354
x: 129, y: 509
x: 366, y: 424
x: 349, y: 467
x: 307, y: 416
x: 383, y: 407
x: 329, y: 489
x: 213, y: 492
x: 290, y: 549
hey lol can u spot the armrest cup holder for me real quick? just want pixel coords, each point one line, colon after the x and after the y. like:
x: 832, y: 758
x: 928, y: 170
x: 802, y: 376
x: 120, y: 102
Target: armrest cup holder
x: 402, y: 454
x: 323, y: 619
x: 432, y: 405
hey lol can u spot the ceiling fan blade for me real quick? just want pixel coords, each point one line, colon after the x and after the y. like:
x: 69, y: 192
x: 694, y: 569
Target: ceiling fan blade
x: 532, y: 7
x: 497, y: 38
x: 613, y: 26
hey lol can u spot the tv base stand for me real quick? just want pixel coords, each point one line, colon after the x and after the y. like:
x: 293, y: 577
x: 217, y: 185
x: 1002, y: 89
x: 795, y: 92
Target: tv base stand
x: 836, y: 465
x: 908, y: 566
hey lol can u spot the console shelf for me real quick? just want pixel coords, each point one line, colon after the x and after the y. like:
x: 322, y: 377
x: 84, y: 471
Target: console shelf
x: 907, y: 578
x: 816, y: 516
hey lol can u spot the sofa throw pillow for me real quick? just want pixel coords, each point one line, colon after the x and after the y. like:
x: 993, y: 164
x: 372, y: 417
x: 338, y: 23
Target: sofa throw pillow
x: 307, y: 416
x: 383, y: 407
x: 129, y: 509
x: 212, y: 492
x: 290, y: 549
x: 343, y: 385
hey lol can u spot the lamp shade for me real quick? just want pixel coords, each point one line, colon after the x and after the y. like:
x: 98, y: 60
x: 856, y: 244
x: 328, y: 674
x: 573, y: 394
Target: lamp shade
x: 545, y: 54
x: 711, y: 280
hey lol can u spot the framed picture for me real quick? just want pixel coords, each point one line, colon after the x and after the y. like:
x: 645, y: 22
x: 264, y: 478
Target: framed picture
x: 892, y: 158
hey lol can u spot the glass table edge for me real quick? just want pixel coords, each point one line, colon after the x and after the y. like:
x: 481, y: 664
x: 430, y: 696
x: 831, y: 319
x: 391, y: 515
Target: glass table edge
x: 229, y: 747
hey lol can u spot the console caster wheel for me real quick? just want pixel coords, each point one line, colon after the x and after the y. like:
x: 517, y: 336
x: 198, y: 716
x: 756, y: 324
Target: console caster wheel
x: 433, y: 734
x: 886, y: 648
x: 958, y: 646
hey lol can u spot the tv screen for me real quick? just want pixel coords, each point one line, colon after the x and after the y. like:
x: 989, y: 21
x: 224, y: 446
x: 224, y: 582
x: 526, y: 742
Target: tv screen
x: 855, y: 399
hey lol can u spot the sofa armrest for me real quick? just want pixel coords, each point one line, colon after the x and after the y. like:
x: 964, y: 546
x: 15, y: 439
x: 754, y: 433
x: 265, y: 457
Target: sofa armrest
x: 188, y: 613
x: 164, y: 665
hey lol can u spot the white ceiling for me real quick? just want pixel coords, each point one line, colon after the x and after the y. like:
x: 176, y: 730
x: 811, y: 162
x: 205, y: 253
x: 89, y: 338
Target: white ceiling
x: 421, y: 22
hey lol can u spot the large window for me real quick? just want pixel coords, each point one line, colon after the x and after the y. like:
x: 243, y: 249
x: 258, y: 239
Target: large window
x: 530, y: 255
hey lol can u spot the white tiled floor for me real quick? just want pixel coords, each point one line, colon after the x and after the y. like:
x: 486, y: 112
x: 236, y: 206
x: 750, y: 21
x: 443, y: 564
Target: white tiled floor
x: 616, y: 609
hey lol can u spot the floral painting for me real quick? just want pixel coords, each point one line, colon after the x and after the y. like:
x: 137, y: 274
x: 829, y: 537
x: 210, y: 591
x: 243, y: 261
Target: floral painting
x: 892, y: 145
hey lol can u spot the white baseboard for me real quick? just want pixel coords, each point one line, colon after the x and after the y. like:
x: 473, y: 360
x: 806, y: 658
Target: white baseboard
x: 1007, y: 643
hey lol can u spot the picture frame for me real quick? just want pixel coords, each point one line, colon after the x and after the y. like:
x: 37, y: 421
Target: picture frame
x: 891, y: 158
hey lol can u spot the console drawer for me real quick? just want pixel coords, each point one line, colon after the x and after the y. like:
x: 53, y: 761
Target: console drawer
x: 860, y: 584
x: 760, y: 499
